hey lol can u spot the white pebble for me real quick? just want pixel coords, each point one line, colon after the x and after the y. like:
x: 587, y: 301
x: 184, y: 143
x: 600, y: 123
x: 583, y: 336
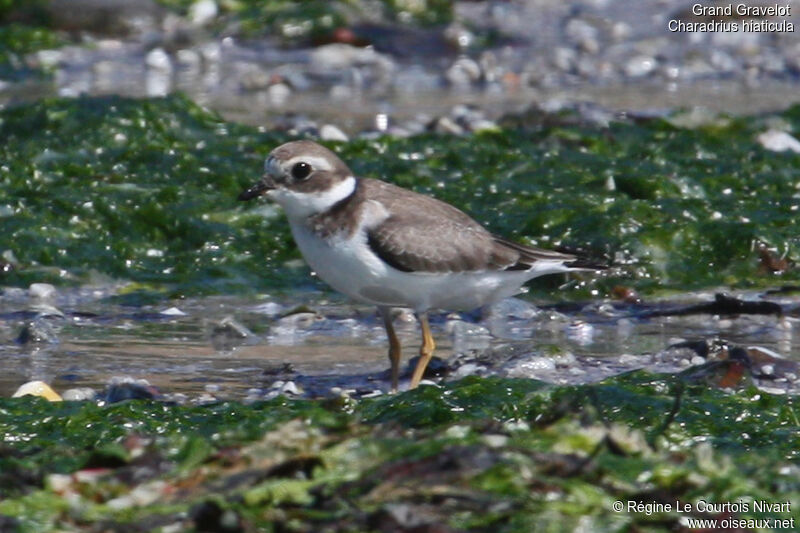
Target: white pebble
x: 41, y: 291
x: 202, y: 12
x: 329, y: 132
x: 778, y: 141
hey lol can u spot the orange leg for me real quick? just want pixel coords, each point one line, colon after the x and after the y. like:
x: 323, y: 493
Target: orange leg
x: 425, y: 351
x: 394, y: 345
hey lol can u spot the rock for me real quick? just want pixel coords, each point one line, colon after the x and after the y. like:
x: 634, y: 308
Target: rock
x: 463, y: 73
x: 228, y: 334
x: 564, y: 58
x: 158, y: 79
x: 268, y: 308
x: 459, y: 35
x: 584, y: 34
x: 122, y: 389
x: 41, y: 291
x: 446, y: 125
x: 329, y: 132
x: 202, y: 12
x: 779, y: 141
x: 278, y: 93
x: 158, y: 59
x: 37, y: 388
x: 302, y: 319
x: 640, y: 66
x: 37, y: 331
x: 79, y: 394
x: 337, y: 59
x: 286, y: 388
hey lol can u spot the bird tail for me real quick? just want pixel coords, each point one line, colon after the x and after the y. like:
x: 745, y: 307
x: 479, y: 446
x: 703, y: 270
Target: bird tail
x: 574, y: 260
x: 582, y: 262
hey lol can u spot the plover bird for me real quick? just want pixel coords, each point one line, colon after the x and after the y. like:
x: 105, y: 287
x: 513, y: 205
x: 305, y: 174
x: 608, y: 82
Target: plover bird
x: 387, y: 246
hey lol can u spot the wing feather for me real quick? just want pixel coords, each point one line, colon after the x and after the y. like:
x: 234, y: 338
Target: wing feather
x: 437, y: 237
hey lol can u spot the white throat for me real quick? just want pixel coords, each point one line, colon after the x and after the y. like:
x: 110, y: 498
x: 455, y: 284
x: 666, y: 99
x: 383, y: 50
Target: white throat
x: 300, y: 205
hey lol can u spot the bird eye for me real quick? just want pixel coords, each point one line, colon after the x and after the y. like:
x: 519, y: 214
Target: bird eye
x: 301, y: 171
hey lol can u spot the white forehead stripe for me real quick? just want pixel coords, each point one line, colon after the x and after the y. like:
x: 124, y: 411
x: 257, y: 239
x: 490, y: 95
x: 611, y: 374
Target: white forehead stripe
x: 317, y: 163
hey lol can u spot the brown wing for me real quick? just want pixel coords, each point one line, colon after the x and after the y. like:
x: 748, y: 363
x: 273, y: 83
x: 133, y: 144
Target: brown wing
x: 437, y: 237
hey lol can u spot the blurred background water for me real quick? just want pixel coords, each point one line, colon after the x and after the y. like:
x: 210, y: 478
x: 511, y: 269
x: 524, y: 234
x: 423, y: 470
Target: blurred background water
x: 357, y: 63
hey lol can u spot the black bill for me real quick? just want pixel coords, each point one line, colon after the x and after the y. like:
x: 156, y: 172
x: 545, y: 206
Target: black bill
x: 259, y: 188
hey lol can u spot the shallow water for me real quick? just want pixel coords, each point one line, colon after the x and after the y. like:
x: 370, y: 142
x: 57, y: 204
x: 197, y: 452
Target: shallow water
x: 236, y: 347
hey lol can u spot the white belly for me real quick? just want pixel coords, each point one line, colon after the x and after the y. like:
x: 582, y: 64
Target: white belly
x: 350, y: 267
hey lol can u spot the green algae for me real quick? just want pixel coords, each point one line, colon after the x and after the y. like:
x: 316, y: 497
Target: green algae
x: 478, y: 454
x: 138, y: 190
x: 18, y: 40
x: 145, y: 191
x: 24, y: 28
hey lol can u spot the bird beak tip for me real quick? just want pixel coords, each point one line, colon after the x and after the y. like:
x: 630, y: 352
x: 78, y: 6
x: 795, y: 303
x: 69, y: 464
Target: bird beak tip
x: 260, y: 188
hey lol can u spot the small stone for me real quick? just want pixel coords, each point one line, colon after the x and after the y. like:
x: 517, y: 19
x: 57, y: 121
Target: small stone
x: 279, y: 93
x: 58, y: 483
x: 49, y: 58
x: 584, y: 34
x: 463, y: 73
x: 122, y: 389
x: 41, y: 291
x: 302, y: 320
x: 341, y: 93
x: 329, y: 132
x: 516, y: 425
x: 228, y: 334
x: 202, y: 12
x: 173, y: 311
x: 37, y: 332
x: 457, y: 432
x: 158, y: 59
x: 447, y: 125
x: 564, y: 58
x: 188, y: 59
x: 37, y: 388
x: 778, y: 141
x: 291, y: 388
x: 80, y: 394
x: 640, y: 66
x: 495, y: 441
x: 268, y: 308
